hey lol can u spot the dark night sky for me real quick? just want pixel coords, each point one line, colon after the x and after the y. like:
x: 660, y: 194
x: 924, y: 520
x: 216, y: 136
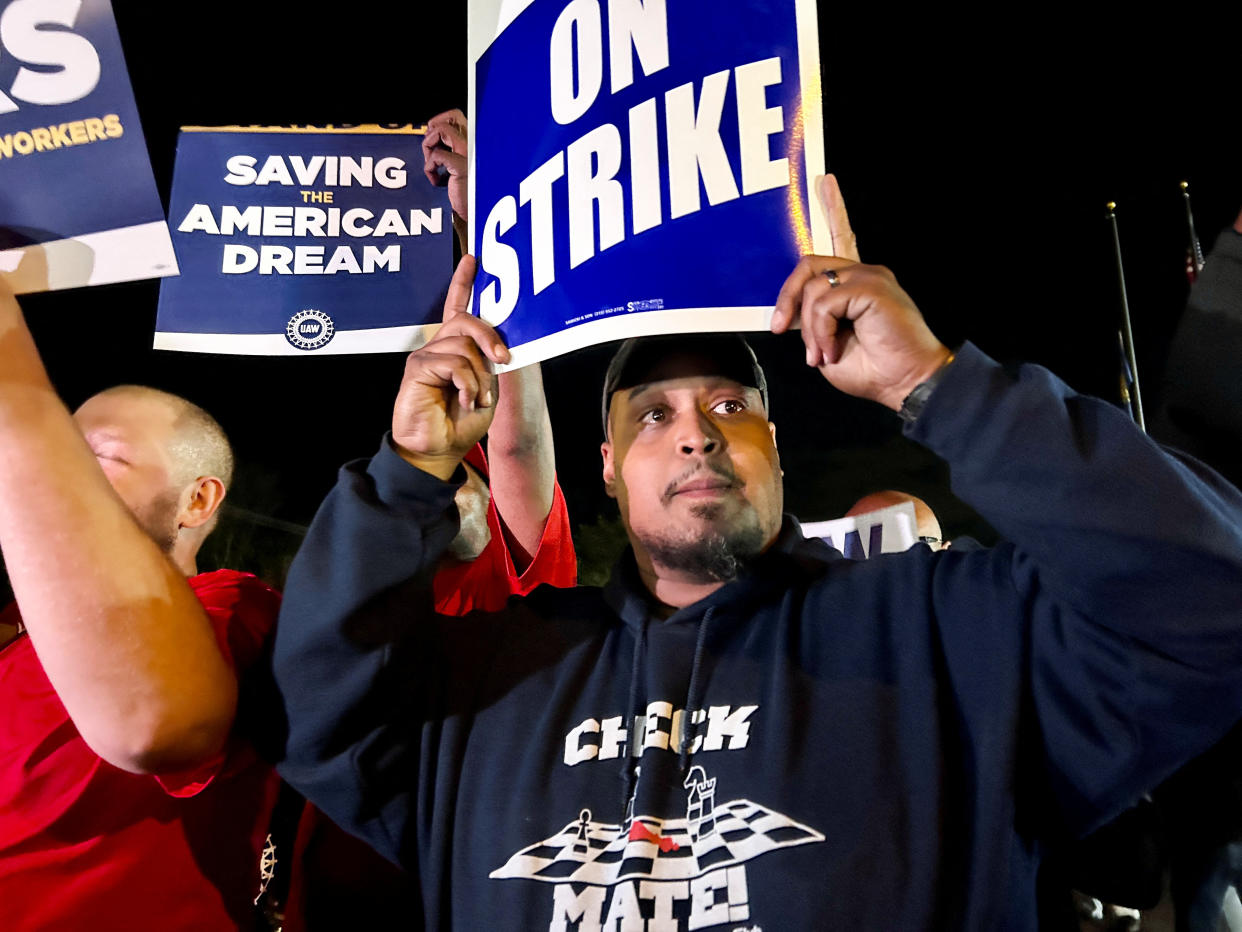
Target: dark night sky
x: 976, y: 160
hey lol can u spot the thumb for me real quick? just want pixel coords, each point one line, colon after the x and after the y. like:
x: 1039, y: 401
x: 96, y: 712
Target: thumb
x: 844, y: 242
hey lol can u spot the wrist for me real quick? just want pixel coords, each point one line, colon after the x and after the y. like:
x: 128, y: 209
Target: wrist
x: 930, y: 362
x: 442, y: 466
x: 913, y: 401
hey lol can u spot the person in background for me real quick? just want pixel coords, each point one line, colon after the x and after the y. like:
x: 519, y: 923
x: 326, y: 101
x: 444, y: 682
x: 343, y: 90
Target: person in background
x: 928, y: 526
x: 126, y: 801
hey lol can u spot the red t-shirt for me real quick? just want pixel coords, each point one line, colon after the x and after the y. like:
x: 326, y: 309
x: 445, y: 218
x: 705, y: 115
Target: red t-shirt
x: 488, y: 581
x: 338, y: 881
x: 84, y: 845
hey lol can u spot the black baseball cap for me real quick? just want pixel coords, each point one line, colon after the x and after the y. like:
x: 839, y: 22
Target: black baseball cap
x: 637, y: 361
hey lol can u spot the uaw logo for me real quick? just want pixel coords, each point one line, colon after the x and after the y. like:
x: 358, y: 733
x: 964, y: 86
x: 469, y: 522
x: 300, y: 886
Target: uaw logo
x: 309, y: 330
x: 683, y: 873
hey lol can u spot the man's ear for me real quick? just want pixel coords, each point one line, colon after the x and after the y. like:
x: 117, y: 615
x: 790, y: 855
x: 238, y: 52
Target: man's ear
x: 610, y: 476
x: 206, y: 494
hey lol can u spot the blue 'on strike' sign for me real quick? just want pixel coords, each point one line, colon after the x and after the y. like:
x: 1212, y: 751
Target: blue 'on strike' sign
x: 306, y: 240
x: 642, y: 167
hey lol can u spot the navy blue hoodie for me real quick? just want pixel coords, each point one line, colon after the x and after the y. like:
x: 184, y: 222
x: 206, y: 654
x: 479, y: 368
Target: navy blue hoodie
x: 821, y: 744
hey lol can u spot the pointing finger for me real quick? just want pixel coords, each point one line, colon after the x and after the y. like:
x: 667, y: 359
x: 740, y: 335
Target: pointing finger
x: 462, y: 321
x: 457, y: 300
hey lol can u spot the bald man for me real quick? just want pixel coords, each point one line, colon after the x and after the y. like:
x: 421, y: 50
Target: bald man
x: 175, y: 492
x: 924, y: 517
x: 123, y: 802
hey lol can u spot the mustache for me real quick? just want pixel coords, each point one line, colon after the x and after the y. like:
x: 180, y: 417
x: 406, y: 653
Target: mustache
x: 721, y: 470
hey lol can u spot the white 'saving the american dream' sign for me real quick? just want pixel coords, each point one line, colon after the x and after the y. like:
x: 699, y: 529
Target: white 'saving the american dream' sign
x: 304, y: 240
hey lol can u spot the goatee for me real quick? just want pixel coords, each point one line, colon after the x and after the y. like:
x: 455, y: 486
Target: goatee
x: 715, y: 556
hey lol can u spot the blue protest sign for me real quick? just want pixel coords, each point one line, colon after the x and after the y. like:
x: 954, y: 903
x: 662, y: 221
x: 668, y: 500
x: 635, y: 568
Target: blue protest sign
x: 640, y: 166
x: 78, y: 204
x: 297, y: 240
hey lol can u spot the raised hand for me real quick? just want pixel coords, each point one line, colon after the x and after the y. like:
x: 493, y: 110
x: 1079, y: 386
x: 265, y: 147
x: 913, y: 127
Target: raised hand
x: 449, y: 166
x: 448, y: 393
x: 861, y: 330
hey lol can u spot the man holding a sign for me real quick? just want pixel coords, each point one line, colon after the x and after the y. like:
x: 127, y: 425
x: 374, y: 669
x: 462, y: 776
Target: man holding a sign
x: 126, y: 801
x: 743, y: 730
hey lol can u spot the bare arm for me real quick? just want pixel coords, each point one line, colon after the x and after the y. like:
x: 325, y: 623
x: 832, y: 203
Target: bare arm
x: 118, y: 631
x: 522, y: 461
x: 520, y: 450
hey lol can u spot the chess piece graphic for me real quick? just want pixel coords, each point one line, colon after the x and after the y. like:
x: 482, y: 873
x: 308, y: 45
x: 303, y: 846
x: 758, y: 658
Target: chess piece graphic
x: 581, y: 845
x: 583, y: 851
x: 700, y: 803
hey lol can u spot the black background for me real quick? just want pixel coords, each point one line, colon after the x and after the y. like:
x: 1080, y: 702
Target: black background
x: 976, y: 155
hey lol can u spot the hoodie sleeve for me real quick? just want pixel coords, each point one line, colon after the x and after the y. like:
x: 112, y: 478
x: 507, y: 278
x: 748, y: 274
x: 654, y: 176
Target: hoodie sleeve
x: 1125, y: 569
x: 356, y: 628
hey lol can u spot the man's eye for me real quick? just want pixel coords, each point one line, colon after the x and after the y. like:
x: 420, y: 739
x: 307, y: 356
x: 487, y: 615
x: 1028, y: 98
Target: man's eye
x: 653, y: 416
x: 730, y: 406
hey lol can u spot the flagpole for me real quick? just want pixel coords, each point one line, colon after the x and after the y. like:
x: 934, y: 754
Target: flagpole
x: 1123, y: 375
x: 1127, y: 334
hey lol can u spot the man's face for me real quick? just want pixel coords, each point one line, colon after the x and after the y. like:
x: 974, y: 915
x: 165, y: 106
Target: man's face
x: 132, y: 437
x: 692, y: 462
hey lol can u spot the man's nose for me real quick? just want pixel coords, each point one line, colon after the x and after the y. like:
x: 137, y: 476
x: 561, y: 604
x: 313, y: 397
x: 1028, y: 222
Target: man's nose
x: 699, y: 435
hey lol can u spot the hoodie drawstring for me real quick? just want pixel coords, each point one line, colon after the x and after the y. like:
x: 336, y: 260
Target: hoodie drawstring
x: 694, y: 699
x: 628, y: 765
x: 693, y: 694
